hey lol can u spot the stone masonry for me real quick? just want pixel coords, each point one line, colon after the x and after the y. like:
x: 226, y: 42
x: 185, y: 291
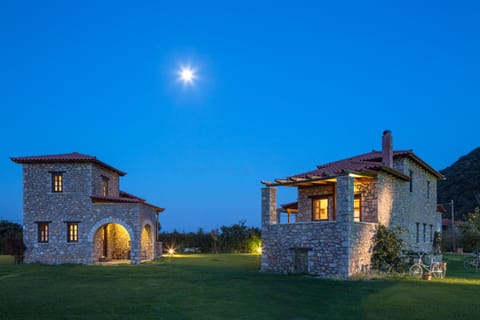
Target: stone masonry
x: 111, y: 224
x: 402, y: 194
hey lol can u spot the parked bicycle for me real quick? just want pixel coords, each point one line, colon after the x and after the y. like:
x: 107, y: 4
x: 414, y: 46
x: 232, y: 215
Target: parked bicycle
x: 437, y: 269
x: 472, y: 262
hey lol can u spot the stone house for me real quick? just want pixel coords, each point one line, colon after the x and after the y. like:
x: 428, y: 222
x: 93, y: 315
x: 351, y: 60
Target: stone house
x: 74, y: 212
x: 339, y: 207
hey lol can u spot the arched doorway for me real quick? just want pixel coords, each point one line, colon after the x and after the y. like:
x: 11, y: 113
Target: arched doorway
x: 111, y: 242
x: 147, y: 243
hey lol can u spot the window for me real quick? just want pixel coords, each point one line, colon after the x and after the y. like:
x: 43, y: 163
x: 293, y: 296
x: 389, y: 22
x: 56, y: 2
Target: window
x: 57, y: 181
x: 428, y: 189
x: 431, y: 233
x: 320, y: 209
x: 104, y: 186
x: 357, y: 208
x: 424, y: 232
x: 72, y: 231
x: 418, y: 233
x: 411, y: 180
x: 42, y: 232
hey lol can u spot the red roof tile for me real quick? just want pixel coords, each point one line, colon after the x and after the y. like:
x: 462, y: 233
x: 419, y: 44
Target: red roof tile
x: 67, y: 157
x: 101, y: 199
x: 364, y: 162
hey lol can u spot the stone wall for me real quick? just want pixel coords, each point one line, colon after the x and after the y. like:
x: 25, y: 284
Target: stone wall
x: 305, y: 195
x: 43, y: 205
x: 325, y: 250
x: 367, y: 188
x: 361, y: 247
x: 410, y: 208
x: 74, y: 204
x: 98, y: 173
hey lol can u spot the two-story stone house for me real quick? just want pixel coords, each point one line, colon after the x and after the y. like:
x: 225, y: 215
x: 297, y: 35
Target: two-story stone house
x: 339, y: 206
x: 74, y: 212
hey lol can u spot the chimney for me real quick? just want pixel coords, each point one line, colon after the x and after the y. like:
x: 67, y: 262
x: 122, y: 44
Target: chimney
x: 387, y: 151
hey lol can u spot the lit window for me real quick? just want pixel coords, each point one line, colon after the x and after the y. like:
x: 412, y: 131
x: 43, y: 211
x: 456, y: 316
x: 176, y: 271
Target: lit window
x: 320, y: 209
x: 42, y: 231
x: 57, y: 182
x: 104, y: 186
x: 357, y: 208
x: 72, y: 232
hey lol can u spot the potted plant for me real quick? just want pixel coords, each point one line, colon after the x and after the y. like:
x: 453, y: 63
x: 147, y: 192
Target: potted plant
x: 427, y: 276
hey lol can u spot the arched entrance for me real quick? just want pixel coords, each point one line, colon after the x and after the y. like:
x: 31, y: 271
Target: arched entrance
x: 147, y: 243
x: 111, y: 242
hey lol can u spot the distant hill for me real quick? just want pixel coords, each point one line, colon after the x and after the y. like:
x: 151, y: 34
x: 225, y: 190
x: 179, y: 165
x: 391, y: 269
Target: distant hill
x: 462, y: 184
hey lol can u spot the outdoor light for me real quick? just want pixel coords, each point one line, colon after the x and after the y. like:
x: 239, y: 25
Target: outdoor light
x: 259, y: 250
x: 171, y: 251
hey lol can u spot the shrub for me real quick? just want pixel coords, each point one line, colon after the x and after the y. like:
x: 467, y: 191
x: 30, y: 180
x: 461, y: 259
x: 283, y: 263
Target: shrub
x: 387, y: 249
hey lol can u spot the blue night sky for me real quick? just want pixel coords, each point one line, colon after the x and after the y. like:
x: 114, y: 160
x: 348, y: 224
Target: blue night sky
x: 281, y: 87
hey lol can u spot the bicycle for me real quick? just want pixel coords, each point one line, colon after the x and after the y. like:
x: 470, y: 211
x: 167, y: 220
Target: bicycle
x: 437, y: 268
x: 472, y: 262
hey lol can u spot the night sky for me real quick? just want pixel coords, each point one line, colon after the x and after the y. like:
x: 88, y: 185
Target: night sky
x: 279, y: 88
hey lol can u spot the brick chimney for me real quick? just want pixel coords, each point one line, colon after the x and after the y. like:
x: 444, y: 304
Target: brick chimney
x: 387, y: 151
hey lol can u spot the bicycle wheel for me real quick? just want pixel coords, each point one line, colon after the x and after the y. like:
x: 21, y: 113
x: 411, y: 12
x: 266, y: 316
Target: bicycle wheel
x: 469, y: 263
x: 437, y: 271
x: 415, y: 271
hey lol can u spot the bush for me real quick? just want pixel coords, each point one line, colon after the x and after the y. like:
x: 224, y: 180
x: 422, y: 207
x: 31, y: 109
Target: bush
x: 387, y: 249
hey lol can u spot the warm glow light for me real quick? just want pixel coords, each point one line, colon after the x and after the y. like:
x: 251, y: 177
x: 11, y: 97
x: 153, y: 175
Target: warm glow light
x: 171, y: 251
x: 187, y: 75
x: 259, y: 250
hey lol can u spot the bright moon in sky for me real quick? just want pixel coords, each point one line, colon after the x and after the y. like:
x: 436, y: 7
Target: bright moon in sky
x: 187, y: 75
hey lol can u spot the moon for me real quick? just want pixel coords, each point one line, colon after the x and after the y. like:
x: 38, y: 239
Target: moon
x: 187, y: 75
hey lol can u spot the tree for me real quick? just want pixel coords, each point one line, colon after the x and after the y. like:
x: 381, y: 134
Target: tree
x: 11, y: 239
x: 470, y: 229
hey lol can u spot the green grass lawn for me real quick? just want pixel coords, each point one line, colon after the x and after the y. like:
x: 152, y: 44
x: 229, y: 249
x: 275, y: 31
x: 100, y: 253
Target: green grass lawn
x: 226, y: 287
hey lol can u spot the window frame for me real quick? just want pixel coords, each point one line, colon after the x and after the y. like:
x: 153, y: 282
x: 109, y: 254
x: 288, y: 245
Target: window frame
x: 359, y: 198
x: 105, y: 186
x: 417, y: 232
x: 72, y: 231
x: 411, y: 180
x: 424, y: 233
x: 43, y: 231
x: 57, y: 181
x: 319, y: 198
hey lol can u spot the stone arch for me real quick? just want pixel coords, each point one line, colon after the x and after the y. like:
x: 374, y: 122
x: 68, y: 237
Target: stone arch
x: 104, y: 221
x: 147, y: 241
x: 111, y: 238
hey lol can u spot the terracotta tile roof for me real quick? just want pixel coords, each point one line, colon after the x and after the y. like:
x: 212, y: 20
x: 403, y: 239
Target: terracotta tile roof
x: 124, y: 198
x: 369, y: 164
x: 124, y: 194
x: 367, y: 161
x: 67, y: 157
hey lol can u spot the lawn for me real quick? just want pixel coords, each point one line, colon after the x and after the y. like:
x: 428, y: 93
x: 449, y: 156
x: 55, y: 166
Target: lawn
x: 225, y: 287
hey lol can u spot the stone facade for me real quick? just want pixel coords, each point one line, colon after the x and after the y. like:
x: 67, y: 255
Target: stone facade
x: 401, y: 195
x: 110, y: 224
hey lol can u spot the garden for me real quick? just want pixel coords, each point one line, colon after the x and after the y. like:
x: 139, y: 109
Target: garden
x: 226, y: 286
